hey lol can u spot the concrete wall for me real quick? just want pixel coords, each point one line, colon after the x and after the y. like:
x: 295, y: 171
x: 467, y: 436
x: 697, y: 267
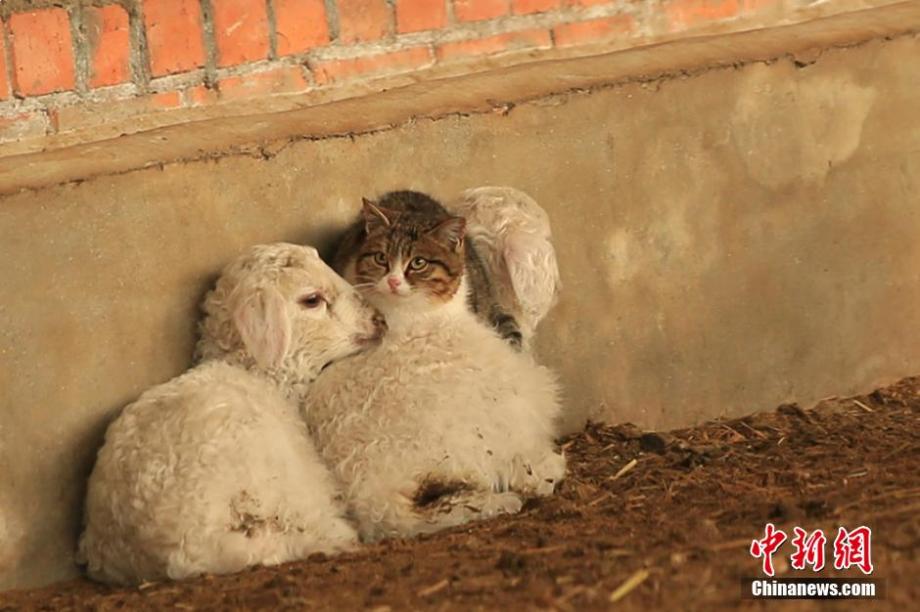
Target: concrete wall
x: 730, y: 238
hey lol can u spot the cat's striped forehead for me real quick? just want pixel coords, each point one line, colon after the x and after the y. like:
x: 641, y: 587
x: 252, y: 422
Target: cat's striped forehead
x: 412, y: 237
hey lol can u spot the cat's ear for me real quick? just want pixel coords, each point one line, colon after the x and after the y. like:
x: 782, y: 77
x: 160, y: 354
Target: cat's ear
x: 374, y: 216
x: 451, y: 231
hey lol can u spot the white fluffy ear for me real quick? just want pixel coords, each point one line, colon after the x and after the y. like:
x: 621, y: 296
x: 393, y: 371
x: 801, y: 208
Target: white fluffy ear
x: 262, y: 321
x: 534, y: 273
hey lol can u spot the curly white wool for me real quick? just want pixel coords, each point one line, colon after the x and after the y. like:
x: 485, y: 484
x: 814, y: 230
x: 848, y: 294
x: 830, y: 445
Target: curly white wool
x: 444, y: 404
x: 512, y: 234
x: 214, y: 470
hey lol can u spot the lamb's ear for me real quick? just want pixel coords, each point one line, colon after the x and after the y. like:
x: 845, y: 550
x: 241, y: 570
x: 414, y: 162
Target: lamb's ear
x: 451, y: 231
x: 262, y: 321
x: 375, y: 216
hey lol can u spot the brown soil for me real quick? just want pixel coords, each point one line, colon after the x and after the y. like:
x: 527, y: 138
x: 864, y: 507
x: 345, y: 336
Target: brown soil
x: 686, y: 514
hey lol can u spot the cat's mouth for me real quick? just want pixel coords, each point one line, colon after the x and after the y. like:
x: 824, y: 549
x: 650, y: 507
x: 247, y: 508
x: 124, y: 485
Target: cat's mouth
x: 401, y: 291
x: 393, y: 295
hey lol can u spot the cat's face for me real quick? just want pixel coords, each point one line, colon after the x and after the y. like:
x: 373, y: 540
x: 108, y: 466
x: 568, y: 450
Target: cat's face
x: 409, y: 259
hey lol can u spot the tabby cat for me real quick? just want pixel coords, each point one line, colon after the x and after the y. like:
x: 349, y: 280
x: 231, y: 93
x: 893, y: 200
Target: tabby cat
x: 418, y: 235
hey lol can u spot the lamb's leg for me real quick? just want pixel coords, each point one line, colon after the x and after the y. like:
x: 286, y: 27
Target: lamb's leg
x: 468, y: 506
x: 432, y: 507
x: 226, y: 551
x: 537, y: 477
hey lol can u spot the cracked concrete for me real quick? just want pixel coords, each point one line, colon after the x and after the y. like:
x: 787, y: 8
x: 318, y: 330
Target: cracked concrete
x: 752, y: 239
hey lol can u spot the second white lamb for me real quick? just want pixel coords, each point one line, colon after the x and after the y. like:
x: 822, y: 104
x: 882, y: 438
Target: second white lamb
x: 214, y: 471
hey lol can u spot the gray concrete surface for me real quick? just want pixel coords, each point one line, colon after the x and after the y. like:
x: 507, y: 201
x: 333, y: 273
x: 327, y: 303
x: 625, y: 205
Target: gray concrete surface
x: 729, y: 240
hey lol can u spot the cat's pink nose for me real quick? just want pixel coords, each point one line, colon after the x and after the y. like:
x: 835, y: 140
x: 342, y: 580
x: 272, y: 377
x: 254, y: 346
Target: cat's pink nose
x: 393, y: 282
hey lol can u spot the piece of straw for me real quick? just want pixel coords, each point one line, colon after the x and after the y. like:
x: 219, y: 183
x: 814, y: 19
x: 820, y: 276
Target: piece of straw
x: 631, y: 583
x: 624, y: 469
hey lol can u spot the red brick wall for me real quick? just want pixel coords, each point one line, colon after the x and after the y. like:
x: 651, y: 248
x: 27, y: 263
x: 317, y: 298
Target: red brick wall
x: 67, y: 65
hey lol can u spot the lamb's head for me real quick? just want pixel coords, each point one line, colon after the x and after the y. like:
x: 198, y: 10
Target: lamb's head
x: 280, y: 310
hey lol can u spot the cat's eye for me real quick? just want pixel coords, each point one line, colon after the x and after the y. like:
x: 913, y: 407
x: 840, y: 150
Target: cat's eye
x: 418, y: 263
x: 312, y: 300
x: 380, y: 259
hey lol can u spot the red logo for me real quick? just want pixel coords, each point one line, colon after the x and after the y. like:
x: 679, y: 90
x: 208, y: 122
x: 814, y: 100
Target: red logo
x: 851, y: 548
x: 765, y: 548
x: 808, y: 550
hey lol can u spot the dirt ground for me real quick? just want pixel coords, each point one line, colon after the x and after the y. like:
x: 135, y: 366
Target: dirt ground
x: 675, y: 528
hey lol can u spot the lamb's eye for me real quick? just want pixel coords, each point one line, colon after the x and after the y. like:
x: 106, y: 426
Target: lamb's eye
x: 418, y: 263
x: 380, y: 259
x: 312, y: 300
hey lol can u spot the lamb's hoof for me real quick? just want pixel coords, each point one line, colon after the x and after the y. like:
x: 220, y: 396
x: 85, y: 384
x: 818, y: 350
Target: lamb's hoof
x: 543, y: 477
x: 501, y: 503
x: 553, y: 468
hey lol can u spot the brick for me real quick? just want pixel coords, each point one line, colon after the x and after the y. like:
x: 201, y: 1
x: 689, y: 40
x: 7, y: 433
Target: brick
x: 42, y: 52
x: 200, y: 95
x: 240, y: 31
x: 477, y: 10
x: 510, y: 41
x: 174, y: 35
x: 4, y: 81
x: 587, y: 2
x: 165, y: 100
x: 289, y: 79
x: 683, y: 14
x: 24, y: 125
x: 569, y: 34
x: 527, y: 7
x: 397, y: 61
x: 108, y: 35
x: 420, y: 15
x: 752, y: 6
x: 301, y: 25
x: 362, y: 20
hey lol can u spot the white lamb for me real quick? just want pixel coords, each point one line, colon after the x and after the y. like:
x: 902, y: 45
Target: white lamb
x: 444, y: 422
x: 214, y: 471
